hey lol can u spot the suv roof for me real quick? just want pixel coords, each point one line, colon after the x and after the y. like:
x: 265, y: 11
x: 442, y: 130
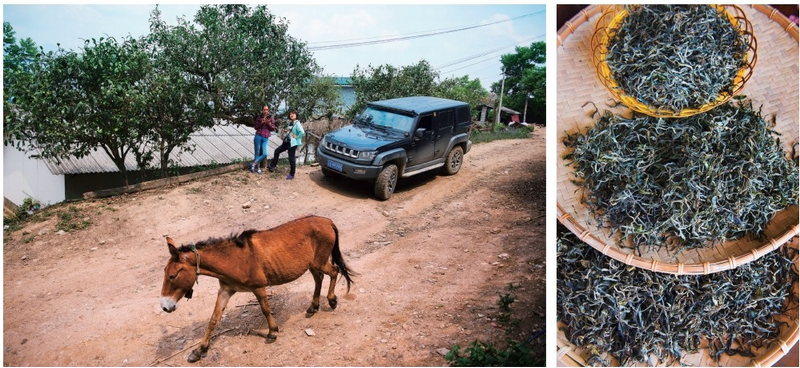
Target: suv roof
x: 417, y: 104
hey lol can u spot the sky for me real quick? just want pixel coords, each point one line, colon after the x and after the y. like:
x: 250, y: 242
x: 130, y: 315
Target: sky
x: 494, y: 30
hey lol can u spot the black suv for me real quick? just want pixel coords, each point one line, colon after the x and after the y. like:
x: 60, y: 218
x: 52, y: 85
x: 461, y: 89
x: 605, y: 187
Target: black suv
x: 400, y: 137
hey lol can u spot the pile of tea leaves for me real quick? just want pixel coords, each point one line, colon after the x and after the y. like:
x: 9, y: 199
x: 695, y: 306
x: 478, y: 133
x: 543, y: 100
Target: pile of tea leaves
x: 633, y: 314
x: 684, y: 183
x: 676, y: 56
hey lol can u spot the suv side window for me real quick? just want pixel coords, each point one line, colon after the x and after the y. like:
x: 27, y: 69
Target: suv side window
x: 462, y: 115
x: 444, y: 122
x: 426, y: 122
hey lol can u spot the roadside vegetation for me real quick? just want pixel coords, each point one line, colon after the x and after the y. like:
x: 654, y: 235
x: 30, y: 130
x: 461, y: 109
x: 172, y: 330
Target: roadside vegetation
x: 511, y: 353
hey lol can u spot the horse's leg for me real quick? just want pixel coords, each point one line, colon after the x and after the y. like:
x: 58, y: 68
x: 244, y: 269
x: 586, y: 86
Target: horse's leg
x: 261, y: 295
x: 317, y: 288
x: 223, y: 296
x: 331, y: 270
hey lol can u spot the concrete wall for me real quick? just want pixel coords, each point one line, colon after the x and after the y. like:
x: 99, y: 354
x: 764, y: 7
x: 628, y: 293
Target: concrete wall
x: 24, y: 177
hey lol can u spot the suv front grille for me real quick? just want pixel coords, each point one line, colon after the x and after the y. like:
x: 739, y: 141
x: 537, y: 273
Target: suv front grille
x: 341, y: 150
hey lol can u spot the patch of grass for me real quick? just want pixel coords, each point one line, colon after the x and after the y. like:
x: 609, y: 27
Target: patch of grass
x: 478, y: 136
x: 29, y: 210
x: 72, y: 219
x: 11, y: 224
x: 479, y: 354
x: 513, y: 354
x: 195, y: 190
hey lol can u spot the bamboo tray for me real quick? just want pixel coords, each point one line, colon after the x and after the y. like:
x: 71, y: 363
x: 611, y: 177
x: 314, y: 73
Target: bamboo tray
x: 573, y: 356
x: 611, y: 19
x: 773, y: 86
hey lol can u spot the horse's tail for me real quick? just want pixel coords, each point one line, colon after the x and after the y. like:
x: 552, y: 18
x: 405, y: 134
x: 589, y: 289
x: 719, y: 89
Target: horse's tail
x: 336, y: 257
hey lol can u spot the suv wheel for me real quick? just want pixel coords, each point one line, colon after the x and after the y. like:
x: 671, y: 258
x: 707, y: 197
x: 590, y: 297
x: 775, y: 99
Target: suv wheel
x: 386, y: 181
x: 453, y: 162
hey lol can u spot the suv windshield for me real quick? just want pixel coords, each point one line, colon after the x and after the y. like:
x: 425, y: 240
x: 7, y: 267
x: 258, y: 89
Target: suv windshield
x: 381, y: 118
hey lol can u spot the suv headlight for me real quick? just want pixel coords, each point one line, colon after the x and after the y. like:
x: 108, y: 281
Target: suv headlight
x: 367, y: 155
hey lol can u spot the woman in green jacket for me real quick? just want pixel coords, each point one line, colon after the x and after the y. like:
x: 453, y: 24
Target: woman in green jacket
x: 292, y: 139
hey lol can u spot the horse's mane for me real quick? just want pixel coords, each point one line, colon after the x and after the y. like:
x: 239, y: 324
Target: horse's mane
x: 240, y: 240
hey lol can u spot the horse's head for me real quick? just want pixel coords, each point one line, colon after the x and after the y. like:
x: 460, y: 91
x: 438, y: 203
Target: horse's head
x: 179, y: 277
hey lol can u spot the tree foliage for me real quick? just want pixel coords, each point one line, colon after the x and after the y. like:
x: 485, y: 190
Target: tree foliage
x: 462, y: 89
x: 241, y: 57
x: 75, y: 103
x: 525, y: 80
x: 175, y: 107
x: 18, y: 59
x: 387, y: 81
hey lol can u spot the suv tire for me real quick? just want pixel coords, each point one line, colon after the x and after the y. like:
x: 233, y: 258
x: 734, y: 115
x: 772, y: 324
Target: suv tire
x: 386, y: 182
x: 454, y: 160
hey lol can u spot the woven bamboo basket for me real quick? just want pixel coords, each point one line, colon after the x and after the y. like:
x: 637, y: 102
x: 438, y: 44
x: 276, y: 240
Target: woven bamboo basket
x: 773, y: 86
x: 610, y: 21
x: 574, y: 356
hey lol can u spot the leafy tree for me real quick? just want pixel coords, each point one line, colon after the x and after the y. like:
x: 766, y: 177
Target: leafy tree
x: 174, y: 107
x: 386, y: 81
x: 525, y: 80
x: 241, y: 58
x: 462, y: 89
x: 316, y: 99
x: 18, y: 62
x: 75, y: 103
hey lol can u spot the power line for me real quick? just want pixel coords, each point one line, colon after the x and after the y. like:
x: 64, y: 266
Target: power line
x: 473, y: 57
x: 374, y: 41
x: 483, y: 53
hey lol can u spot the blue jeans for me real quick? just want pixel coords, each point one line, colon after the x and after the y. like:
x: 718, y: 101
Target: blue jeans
x: 260, y: 148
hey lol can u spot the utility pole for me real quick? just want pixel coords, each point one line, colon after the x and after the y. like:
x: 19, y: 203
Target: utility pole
x: 525, y: 112
x: 500, y: 106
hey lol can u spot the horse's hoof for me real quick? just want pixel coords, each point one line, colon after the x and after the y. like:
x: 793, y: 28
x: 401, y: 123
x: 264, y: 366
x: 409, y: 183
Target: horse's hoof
x: 270, y: 339
x: 333, y: 303
x: 195, y: 356
x: 310, y: 311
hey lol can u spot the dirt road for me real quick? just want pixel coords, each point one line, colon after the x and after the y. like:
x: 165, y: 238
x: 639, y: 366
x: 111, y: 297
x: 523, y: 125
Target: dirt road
x: 433, y: 262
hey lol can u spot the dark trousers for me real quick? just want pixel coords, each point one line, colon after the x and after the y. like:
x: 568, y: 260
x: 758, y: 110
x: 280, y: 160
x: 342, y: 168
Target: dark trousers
x: 285, y: 146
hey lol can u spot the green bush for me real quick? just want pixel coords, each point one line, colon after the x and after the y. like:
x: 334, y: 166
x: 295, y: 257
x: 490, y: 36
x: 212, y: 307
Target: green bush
x: 479, y: 354
x: 478, y: 136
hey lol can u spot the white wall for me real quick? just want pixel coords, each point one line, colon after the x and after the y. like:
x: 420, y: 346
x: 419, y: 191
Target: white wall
x: 24, y: 177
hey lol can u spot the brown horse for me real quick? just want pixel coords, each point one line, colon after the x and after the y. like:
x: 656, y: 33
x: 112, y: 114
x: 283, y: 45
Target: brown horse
x: 252, y: 261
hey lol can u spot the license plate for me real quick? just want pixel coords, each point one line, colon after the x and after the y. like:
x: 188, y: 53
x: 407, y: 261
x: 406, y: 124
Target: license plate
x: 336, y: 166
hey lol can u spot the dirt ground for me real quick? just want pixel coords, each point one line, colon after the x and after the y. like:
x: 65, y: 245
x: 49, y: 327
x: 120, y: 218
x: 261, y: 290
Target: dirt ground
x: 433, y: 262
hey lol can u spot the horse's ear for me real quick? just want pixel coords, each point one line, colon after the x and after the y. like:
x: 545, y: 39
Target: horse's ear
x: 172, y: 250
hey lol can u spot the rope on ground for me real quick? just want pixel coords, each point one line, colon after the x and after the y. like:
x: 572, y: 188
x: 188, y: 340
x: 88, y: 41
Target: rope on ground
x: 189, y: 347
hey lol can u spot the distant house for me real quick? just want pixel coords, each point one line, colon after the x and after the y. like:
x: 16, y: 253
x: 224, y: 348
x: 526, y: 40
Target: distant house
x: 506, y: 116
x: 50, y: 182
x: 348, y: 95
x: 509, y: 116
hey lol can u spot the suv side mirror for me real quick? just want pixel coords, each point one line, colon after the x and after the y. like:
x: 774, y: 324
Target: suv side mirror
x: 422, y: 133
